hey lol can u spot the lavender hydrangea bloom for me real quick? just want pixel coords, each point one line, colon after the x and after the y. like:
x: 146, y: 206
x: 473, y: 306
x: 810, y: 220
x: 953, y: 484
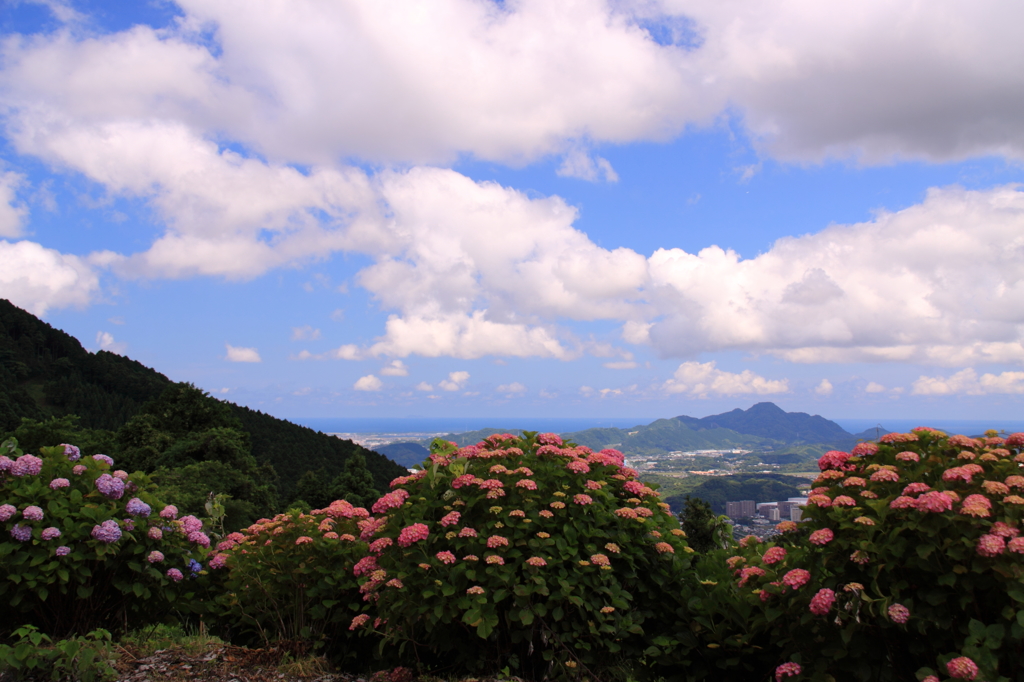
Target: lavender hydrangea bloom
x: 110, y: 487
x: 59, y: 483
x: 63, y: 550
x: 51, y: 533
x: 107, y: 532
x: 137, y: 507
x: 174, y: 574
x: 104, y: 458
x: 72, y: 452
x: 194, y: 567
x: 7, y: 511
x: 33, y: 513
x: 21, y: 533
x: 6, y: 463
x: 27, y: 465
x: 128, y: 524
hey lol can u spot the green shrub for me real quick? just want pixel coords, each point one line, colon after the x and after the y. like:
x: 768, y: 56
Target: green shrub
x: 86, y: 658
x: 522, y: 553
x: 290, y: 579
x: 82, y: 548
x: 909, y: 564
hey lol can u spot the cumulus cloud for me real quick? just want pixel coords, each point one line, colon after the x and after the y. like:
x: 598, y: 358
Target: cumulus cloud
x: 701, y: 380
x: 395, y: 368
x: 579, y: 164
x: 455, y: 381
x: 235, y: 354
x: 38, y: 279
x: 511, y: 389
x: 873, y: 387
x: 305, y: 333
x: 968, y: 382
x: 12, y: 214
x: 105, y: 340
x: 824, y: 388
x: 368, y: 383
x: 424, y: 386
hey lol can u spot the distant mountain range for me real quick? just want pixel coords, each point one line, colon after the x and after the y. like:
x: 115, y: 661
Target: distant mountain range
x: 765, y: 428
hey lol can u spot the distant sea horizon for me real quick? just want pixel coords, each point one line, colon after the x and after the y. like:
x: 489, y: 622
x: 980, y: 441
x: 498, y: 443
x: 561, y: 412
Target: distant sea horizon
x: 570, y: 424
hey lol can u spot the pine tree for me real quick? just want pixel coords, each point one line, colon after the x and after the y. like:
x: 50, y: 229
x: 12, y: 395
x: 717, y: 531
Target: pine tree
x: 355, y: 483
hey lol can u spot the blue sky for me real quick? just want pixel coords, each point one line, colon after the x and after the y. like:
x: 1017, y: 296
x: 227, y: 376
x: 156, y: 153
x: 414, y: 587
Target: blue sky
x: 472, y: 208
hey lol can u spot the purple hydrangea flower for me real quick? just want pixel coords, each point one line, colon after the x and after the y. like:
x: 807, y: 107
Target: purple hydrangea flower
x: 79, y: 469
x: 110, y: 487
x: 27, y: 465
x: 59, y: 483
x: 21, y: 533
x: 63, y: 550
x: 194, y: 567
x: 155, y: 557
x: 6, y: 463
x: 128, y: 524
x: 155, y: 533
x: 71, y: 452
x: 174, y: 574
x: 107, y: 532
x: 104, y: 458
x: 169, y: 512
x: 51, y: 533
x: 33, y: 513
x: 7, y: 511
x: 137, y: 507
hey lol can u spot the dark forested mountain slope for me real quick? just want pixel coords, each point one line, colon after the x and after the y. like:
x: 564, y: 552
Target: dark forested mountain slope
x: 46, y: 373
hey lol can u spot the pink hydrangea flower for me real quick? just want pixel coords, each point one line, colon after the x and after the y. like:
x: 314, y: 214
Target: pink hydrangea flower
x: 365, y: 566
x: 476, y: 589
x: 774, y: 555
x: 21, y: 533
x: 450, y: 519
x: 833, y: 459
x: 844, y: 501
x: 995, y: 488
x: 79, y: 469
x: 908, y: 456
x: 378, y: 545
x: 105, y: 459
x: 898, y: 613
x: 976, y: 505
x: 789, y: 669
x: 903, y: 502
x: 1016, y: 545
x: 549, y: 439
x: 582, y: 499
x: 885, y: 475
x: 155, y: 533
x: 898, y: 438
x: 495, y: 559
x: 359, y: 621
x: 413, y: 533
x: 991, y: 545
x: 821, y: 603
x: 933, y: 502
x: 391, y: 500
x: 527, y: 484
x: 664, y: 548
x: 63, y: 550
x: 59, y: 483
x: 303, y: 540
x: 822, y: 537
x: 137, y: 507
x: 468, y: 532
x: 497, y: 541
x: 578, y: 466
x: 71, y: 452
x: 748, y: 573
x: 786, y: 526
x: 600, y: 560
x: 962, y: 668
x: 1004, y: 530
x: 536, y: 561
x: 796, y: 578
x: 110, y: 487
x: 155, y: 557
x: 865, y: 449
x: 218, y: 561
x: 916, y: 488
x: 626, y: 513
x: 823, y: 501
x: 107, y: 532
x: 51, y: 533
x: 33, y: 513
x: 445, y: 557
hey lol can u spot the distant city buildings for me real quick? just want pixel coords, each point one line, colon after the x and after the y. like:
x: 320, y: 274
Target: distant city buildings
x: 741, y: 509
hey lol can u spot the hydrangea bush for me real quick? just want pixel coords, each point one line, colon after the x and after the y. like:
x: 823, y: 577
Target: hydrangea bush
x: 910, y: 564
x: 527, y: 553
x: 85, y: 546
x: 291, y: 578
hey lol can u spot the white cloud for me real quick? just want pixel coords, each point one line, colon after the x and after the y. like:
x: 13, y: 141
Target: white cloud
x: 368, y: 383
x: 305, y: 333
x: 242, y: 354
x: 455, y: 381
x: 38, y: 279
x: 968, y: 382
x: 514, y: 388
x: 105, y: 340
x: 347, y: 352
x: 424, y: 386
x: 579, y: 164
x: 824, y: 388
x: 395, y: 368
x: 12, y: 214
x: 702, y: 380
x: 873, y: 387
